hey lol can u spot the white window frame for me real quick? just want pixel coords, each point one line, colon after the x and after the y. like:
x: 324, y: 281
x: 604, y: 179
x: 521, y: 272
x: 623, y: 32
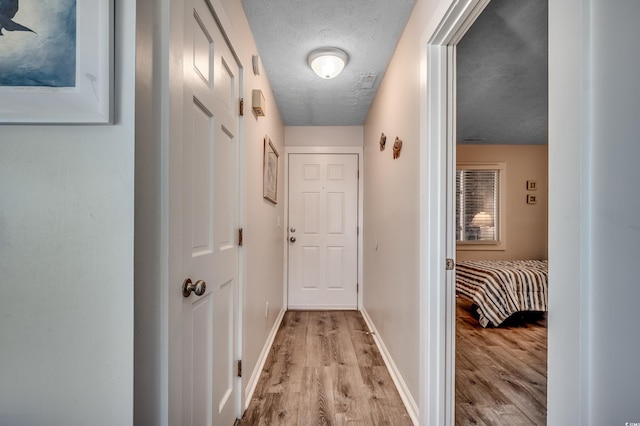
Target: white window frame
x: 501, y: 243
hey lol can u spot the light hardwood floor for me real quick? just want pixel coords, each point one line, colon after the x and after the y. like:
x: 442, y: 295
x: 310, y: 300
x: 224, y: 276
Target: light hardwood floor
x: 325, y: 369
x: 501, y: 373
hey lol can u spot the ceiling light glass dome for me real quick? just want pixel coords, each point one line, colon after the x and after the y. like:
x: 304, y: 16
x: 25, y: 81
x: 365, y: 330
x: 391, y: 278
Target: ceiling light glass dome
x: 327, y: 62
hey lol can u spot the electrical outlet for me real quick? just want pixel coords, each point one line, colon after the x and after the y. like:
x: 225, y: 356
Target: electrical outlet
x: 266, y: 311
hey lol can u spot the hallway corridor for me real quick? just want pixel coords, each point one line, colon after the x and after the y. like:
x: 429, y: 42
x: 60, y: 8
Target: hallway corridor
x: 325, y: 369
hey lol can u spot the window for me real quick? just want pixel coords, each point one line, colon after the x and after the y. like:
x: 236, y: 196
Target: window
x: 479, y: 206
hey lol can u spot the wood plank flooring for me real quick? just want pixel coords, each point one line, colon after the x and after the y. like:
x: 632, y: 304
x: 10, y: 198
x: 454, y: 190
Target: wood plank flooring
x: 325, y: 369
x: 501, y: 373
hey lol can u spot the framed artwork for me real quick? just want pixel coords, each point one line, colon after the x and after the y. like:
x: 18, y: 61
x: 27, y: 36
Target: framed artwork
x: 56, y: 61
x: 270, y: 172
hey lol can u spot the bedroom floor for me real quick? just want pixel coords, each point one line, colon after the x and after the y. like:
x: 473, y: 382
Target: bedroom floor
x: 501, y: 373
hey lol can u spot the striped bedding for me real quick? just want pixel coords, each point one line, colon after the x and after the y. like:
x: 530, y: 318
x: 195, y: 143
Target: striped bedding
x: 501, y: 288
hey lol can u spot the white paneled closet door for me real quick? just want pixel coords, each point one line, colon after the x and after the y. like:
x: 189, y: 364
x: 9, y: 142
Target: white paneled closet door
x: 209, y: 211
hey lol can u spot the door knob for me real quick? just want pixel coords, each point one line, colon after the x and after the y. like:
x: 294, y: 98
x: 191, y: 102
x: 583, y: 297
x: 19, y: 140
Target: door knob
x: 292, y: 239
x: 198, y: 288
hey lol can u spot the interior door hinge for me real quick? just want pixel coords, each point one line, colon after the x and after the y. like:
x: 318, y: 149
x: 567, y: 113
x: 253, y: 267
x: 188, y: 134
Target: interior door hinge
x: 240, y: 237
x: 357, y: 288
x: 241, y: 107
x: 451, y: 264
x: 239, y: 368
x: 357, y: 231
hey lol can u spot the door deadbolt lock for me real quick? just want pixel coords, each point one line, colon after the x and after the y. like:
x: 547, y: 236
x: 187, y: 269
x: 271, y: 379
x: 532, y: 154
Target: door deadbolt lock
x: 293, y: 229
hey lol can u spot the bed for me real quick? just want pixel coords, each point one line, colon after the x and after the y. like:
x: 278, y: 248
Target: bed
x: 500, y: 288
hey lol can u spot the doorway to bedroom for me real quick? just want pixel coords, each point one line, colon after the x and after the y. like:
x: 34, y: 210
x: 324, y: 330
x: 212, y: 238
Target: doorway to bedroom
x: 501, y: 188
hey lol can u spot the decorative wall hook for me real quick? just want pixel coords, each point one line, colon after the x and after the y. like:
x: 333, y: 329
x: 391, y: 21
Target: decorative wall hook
x: 383, y: 141
x: 397, y: 147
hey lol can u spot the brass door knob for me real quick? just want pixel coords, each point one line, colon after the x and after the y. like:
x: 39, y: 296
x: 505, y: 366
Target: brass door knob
x: 198, y: 288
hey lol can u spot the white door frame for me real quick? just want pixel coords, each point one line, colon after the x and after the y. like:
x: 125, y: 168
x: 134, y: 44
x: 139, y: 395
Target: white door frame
x: 172, y: 40
x: 437, y: 241
x: 322, y: 150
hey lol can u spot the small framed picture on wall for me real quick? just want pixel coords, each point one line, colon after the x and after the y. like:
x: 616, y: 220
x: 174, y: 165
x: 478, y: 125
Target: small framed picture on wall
x: 270, y: 171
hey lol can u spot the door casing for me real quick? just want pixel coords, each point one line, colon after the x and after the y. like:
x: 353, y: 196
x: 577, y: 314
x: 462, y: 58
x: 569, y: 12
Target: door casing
x: 323, y: 150
x: 437, y: 229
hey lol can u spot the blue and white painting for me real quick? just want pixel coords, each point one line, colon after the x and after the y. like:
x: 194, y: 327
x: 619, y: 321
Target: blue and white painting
x: 38, y: 43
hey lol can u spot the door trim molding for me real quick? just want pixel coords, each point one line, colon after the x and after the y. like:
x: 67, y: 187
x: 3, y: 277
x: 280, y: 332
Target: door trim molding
x: 358, y: 150
x: 437, y: 242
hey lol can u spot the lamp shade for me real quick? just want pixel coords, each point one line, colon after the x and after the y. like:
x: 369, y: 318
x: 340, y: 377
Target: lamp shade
x: 482, y: 219
x: 327, y: 62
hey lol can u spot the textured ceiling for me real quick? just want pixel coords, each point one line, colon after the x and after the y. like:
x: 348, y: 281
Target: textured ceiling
x: 502, y: 95
x: 286, y: 31
x: 501, y: 63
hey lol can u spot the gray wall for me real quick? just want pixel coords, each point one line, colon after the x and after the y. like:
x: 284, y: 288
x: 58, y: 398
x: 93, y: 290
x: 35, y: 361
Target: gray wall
x: 615, y: 284
x: 66, y: 263
x: 593, y: 232
x: 149, y: 259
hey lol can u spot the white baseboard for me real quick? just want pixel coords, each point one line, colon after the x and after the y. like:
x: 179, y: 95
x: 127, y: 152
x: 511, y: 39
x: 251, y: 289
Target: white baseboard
x: 322, y: 307
x: 403, y: 390
x: 255, y: 375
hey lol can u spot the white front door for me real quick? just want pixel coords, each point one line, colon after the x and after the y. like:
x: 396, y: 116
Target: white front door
x: 209, y: 221
x: 323, y: 231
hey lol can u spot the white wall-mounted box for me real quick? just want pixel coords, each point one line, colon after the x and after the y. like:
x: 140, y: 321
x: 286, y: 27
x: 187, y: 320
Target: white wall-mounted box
x: 258, y: 103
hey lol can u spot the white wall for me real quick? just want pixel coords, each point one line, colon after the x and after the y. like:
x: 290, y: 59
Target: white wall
x: 615, y: 294
x: 323, y: 135
x: 263, y: 221
x: 391, y: 203
x: 594, y: 104
x: 568, y: 212
x: 66, y: 263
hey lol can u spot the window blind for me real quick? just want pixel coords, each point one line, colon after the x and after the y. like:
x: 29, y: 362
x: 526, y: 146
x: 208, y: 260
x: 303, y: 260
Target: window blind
x: 477, y: 205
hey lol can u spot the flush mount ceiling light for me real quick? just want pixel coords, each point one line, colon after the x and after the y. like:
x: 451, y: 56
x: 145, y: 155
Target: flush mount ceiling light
x: 327, y: 62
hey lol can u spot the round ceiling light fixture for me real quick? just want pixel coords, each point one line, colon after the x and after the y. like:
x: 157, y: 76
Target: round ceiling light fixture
x: 327, y: 62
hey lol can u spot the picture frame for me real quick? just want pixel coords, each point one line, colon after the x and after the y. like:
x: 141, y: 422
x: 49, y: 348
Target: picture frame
x: 73, y: 82
x: 270, y: 171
